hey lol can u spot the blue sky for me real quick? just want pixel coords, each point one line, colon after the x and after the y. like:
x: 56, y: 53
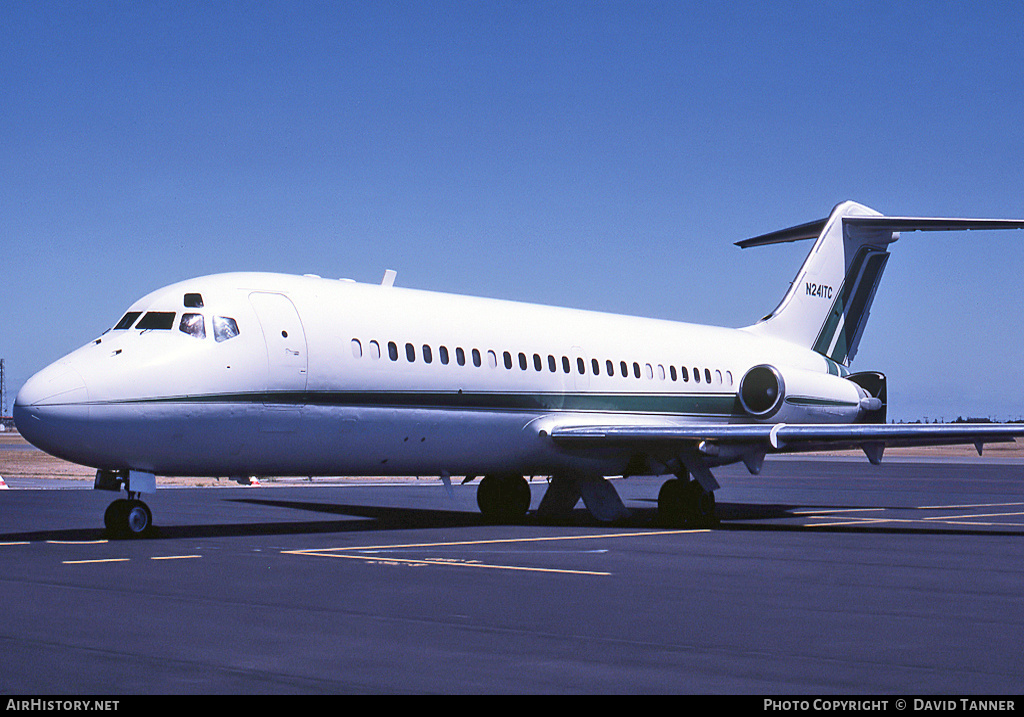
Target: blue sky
x: 592, y: 154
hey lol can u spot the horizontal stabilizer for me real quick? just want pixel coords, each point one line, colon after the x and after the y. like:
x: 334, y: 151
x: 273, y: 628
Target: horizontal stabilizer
x: 929, y: 224
x: 811, y: 230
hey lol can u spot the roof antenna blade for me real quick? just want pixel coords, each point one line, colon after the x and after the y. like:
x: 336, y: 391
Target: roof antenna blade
x: 389, y: 277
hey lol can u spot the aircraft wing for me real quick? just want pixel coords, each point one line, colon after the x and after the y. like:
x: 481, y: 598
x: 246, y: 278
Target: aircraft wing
x: 711, y: 439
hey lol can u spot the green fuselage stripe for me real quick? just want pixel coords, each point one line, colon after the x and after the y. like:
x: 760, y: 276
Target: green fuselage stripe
x: 712, y: 404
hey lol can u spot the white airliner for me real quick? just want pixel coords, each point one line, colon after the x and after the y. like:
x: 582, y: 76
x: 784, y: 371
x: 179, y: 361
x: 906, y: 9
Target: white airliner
x: 256, y: 374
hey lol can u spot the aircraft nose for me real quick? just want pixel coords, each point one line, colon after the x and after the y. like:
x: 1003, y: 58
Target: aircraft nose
x: 49, y: 409
x: 54, y: 385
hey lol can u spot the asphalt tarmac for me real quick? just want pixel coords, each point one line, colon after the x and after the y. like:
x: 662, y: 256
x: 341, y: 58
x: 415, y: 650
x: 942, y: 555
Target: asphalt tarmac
x: 823, y: 577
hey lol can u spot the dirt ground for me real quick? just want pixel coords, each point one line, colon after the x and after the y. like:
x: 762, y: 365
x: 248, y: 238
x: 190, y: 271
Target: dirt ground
x: 18, y: 459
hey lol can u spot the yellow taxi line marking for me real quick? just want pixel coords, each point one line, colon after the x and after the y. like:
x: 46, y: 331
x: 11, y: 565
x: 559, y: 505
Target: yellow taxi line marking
x: 174, y: 557
x: 948, y: 520
x: 503, y: 540
x: 100, y: 560
x: 862, y: 521
x: 967, y: 519
x: 969, y: 505
x: 457, y: 564
x: 971, y: 522
x: 347, y: 552
x: 975, y: 515
x: 837, y: 510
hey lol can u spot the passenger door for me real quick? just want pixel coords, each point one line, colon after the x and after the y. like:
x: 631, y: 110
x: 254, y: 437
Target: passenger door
x: 285, y: 340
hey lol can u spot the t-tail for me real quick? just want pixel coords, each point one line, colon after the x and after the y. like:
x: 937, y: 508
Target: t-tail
x: 827, y: 306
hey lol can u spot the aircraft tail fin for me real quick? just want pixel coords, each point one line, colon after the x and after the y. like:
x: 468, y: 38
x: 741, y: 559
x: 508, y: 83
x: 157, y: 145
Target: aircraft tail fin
x: 827, y: 305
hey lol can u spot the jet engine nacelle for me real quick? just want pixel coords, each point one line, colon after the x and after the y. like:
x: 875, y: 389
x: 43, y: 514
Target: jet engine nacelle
x: 800, y: 396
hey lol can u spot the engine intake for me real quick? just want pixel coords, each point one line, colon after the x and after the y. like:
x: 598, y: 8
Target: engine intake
x: 762, y: 391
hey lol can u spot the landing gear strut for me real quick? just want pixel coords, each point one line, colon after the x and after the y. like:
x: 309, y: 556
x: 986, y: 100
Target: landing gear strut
x: 684, y: 502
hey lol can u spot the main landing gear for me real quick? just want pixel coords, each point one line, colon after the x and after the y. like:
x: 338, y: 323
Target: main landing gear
x: 127, y: 517
x: 503, y: 498
x: 685, y: 502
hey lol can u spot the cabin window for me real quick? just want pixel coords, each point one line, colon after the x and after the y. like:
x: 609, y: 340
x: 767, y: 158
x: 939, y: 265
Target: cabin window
x: 492, y: 358
x: 538, y: 365
x: 624, y: 369
x: 696, y: 374
x: 609, y: 367
x: 410, y: 353
x: 581, y: 366
x: 649, y: 371
x: 193, y: 325
x: 460, y: 356
x: 552, y: 364
x: 443, y: 352
x: 672, y: 373
x: 193, y: 301
x: 707, y: 375
x: 718, y: 376
x: 393, y: 350
x: 508, y: 359
x: 357, y: 348
x: 636, y: 369
x: 158, y: 320
x: 565, y: 364
x: 224, y: 328
x: 686, y: 373
x: 522, y: 361
x: 476, y: 358
x: 374, y: 350
x: 127, y: 320
x: 728, y: 377
x: 428, y: 355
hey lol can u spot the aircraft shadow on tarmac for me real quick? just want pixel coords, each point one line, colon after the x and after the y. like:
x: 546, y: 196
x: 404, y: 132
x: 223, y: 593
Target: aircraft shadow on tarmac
x: 353, y: 518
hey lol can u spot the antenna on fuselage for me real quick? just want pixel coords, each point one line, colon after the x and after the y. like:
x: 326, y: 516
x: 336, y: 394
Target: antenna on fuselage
x: 389, y: 277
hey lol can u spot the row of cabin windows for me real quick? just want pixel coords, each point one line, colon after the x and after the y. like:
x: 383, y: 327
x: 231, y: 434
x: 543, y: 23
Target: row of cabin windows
x: 538, y: 363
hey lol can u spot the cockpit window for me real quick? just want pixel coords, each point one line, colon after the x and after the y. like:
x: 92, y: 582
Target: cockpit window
x: 193, y: 325
x: 127, y: 320
x: 224, y: 328
x: 193, y: 301
x: 156, y: 320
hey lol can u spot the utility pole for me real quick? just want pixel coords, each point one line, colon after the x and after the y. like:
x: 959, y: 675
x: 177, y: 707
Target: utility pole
x: 3, y: 390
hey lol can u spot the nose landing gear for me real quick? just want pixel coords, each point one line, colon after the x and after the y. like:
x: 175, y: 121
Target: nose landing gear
x: 127, y: 517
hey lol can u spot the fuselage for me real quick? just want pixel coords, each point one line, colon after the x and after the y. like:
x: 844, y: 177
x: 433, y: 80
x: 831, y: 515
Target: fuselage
x: 267, y: 374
